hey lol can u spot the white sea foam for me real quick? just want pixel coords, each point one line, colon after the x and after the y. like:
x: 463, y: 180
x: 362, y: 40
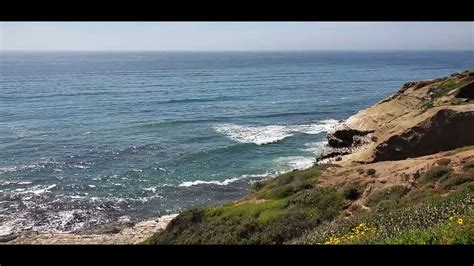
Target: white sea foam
x: 224, y: 182
x: 36, y: 190
x: 152, y: 189
x: 7, y: 228
x: 285, y: 164
x: 200, y: 182
x: 314, y: 147
x: 261, y: 135
x: 41, y: 190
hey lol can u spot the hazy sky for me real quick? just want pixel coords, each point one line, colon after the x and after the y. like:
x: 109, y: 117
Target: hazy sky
x: 245, y: 36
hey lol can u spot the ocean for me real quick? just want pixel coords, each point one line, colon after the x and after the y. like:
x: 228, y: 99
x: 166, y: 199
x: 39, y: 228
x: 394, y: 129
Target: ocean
x: 89, y: 138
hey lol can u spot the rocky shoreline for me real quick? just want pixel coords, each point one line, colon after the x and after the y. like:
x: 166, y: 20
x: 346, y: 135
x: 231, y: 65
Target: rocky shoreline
x: 134, y: 234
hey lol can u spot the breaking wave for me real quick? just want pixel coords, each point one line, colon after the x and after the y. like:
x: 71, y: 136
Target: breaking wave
x: 261, y: 135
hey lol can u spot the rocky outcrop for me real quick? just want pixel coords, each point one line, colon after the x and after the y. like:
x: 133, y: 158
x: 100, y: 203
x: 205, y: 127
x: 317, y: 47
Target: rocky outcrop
x: 342, y: 141
x: 444, y: 131
x: 421, y: 118
x: 466, y: 91
x: 347, y: 137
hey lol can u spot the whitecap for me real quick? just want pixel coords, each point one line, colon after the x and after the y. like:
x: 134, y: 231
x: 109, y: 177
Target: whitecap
x: 289, y: 163
x: 314, y: 147
x: 253, y: 134
x: 36, y: 190
x: 42, y: 190
x: 152, y: 189
x: 222, y: 183
x: 80, y: 166
x: 261, y: 135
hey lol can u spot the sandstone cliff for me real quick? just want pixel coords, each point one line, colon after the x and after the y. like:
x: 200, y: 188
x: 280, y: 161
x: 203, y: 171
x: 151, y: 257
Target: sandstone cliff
x: 422, y: 118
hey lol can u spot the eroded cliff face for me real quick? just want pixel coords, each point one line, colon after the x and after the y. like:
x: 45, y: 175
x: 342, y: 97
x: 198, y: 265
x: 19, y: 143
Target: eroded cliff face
x: 423, y: 117
x: 445, y: 130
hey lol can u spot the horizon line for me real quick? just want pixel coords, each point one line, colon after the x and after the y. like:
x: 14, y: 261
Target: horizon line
x: 321, y: 50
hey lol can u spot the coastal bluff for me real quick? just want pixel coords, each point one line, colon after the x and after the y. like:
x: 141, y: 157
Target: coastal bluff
x: 399, y: 172
x: 422, y: 118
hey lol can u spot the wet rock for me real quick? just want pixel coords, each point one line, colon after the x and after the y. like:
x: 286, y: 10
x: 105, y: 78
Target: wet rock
x: 345, y: 137
x: 7, y: 238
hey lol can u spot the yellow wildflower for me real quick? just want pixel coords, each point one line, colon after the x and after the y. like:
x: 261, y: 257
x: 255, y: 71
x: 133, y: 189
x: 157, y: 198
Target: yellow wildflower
x: 460, y: 221
x: 451, y: 218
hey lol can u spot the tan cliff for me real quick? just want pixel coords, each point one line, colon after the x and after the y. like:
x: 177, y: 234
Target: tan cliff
x: 422, y: 118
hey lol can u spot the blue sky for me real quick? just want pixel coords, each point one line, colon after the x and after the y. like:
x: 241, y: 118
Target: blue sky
x: 236, y: 36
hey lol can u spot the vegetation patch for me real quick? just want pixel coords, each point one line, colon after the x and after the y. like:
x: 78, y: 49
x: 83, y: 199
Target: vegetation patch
x: 290, y: 183
x: 455, y: 180
x: 391, y: 194
x: 469, y: 165
x: 435, y: 173
x: 353, y: 191
x: 445, y: 221
x: 443, y: 161
x: 370, y: 171
x: 283, y: 215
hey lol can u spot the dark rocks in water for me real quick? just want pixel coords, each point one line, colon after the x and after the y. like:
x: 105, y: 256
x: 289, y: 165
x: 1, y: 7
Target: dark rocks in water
x: 466, y: 91
x: 346, y: 137
x: 343, y: 141
x: 446, y: 130
x: 330, y: 153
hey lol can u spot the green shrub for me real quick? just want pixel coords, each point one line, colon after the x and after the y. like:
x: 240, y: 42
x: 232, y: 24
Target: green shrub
x: 370, y: 171
x: 258, y: 185
x: 268, y: 222
x: 352, y: 191
x: 393, y: 193
x: 452, y: 232
x: 435, y: 173
x: 287, y: 184
x: 469, y: 165
x: 282, y: 192
x: 391, y: 224
x: 284, y: 179
x: 388, y: 204
x: 443, y: 161
x: 456, y: 180
x: 417, y: 195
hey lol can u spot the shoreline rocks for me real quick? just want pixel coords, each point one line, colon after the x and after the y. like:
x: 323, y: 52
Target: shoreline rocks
x: 135, y: 234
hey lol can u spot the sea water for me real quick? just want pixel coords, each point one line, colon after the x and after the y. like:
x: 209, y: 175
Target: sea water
x: 89, y: 138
